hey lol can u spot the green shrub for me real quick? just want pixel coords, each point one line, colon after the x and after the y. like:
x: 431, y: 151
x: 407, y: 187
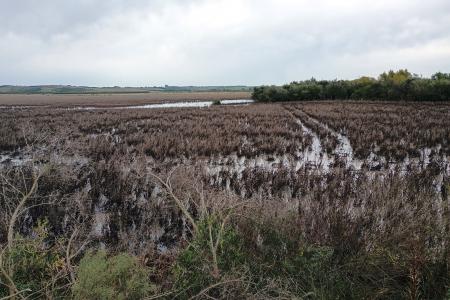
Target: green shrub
x: 116, y: 277
x: 278, y: 266
x: 194, y: 267
x: 37, y: 268
x: 282, y: 261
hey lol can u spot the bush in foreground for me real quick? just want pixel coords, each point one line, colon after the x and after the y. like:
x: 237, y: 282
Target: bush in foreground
x: 115, y: 277
x: 35, y: 267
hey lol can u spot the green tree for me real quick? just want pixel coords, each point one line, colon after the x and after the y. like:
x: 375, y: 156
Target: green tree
x: 440, y: 76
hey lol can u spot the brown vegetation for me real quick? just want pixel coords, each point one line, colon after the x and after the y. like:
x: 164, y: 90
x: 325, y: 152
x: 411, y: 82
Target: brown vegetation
x: 105, y: 100
x: 161, y: 133
x: 393, y: 130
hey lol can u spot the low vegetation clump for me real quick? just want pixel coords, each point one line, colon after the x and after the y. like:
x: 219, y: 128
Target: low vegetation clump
x: 116, y: 277
x: 33, y: 268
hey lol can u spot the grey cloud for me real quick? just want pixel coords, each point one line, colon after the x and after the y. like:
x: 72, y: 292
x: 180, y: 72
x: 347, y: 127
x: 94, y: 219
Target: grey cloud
x: 47, y: 17
x: 99, y: 42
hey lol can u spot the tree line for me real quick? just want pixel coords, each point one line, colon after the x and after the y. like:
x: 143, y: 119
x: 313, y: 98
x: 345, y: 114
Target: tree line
x: 398, y: 85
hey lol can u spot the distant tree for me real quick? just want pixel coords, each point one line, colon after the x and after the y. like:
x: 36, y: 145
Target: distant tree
x: 440, y: 76
x: 396, y: 77
x: 392, y: 85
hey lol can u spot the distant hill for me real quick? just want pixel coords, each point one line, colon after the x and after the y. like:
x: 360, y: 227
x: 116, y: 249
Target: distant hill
x: 69, y: 89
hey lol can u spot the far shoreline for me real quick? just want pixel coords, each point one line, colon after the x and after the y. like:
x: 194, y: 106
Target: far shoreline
x: 117, y: 99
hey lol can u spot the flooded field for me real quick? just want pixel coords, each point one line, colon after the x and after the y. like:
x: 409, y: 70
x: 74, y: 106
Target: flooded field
x: 305, y: 135
x: 226, y: 141
x: 334, y: 167
x: 172, y: 104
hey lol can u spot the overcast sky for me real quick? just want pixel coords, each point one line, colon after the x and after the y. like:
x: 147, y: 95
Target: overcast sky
x: 218, y: 42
